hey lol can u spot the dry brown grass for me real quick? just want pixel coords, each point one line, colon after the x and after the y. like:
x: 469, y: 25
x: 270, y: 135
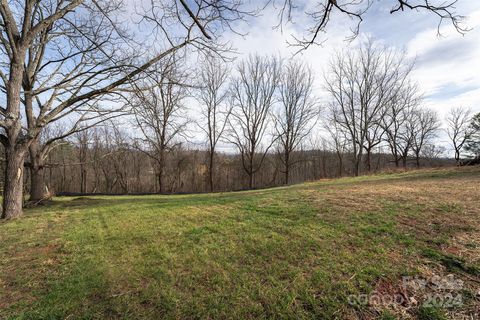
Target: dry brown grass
x: 442, y: 211
x: 293, y: 252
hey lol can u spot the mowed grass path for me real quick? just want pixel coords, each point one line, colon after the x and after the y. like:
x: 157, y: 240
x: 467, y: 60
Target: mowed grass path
x: 293, y: 252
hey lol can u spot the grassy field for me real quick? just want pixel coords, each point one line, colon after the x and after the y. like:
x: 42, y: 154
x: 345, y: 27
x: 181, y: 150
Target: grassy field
x: 304, y: 251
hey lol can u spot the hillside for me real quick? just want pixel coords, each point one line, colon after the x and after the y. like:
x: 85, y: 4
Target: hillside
x: 304, y: 251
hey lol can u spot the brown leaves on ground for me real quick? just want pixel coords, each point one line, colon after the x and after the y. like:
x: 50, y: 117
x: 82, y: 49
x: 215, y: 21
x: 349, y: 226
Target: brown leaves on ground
x: 441, y: 211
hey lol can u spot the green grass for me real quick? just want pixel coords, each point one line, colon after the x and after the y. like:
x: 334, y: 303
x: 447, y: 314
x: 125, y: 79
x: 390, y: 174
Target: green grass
x: 291, y: 252
x: 430, y: 313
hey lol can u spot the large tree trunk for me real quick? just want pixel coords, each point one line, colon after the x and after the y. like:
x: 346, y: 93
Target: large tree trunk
x: 83, y: 179
x: 38, y: 189
x: 340, y: 163
x: 357, y: 163
x: 287, y: 167
x: 357, y: 160
x: 396, y: 158
x: 161, y: 169
x: 356, y: 171
x: 368, y: 160
x: 14, y: 151
x: 210, y: 170
x: 160, y: 181
x: 13, y: 188
x: 457, y: 156
x: 250, y: 180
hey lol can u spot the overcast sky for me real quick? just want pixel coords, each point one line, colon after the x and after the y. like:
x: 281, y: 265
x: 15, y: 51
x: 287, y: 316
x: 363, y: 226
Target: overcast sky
x: 447, y: 67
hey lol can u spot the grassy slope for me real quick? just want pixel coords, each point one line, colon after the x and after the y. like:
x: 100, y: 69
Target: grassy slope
x: 287, y: 252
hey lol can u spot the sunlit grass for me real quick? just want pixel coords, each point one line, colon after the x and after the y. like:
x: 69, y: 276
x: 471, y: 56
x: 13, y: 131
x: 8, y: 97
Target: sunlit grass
x: 291, y: 252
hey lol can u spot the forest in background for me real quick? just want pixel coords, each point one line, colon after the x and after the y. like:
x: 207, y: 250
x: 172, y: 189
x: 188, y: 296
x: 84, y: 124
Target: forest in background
x: 104, y: 160
x: 70, y: 66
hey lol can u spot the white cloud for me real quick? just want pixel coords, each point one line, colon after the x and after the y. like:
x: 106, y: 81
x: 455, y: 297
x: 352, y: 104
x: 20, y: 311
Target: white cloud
x: 448, y: 67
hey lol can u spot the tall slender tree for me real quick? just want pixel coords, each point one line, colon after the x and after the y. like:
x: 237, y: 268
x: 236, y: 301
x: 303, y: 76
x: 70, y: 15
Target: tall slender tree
x: 397, y: 122
x: 213, y: 94
x: 297, y: 111
x: 426, y: 125
x: 160, y: 113
x: 458, y: 129
x: 253, y: 97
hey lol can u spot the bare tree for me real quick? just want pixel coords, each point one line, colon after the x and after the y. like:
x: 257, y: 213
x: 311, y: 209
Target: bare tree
x: 323, y: 10
x: 426, y: 124
x: 111, y: 157
x: 213, y: 95
x: 115, y: 165
x: 160, y: 114
x: 458, y: 128
x: 296, y: 115
x: 361, y: 83
x: 338, y: 142
x: 397, y: 122
x: 253, y: 97
x: 432, y: 152
x: 120, y: 159
x: 373, y: 138
x: 49, y: 138
x: 83, y: 141
x: 58, y: 57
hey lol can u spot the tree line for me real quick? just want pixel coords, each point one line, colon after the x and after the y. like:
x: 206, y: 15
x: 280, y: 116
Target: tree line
x: 107, y: 160
x: 266, y: 111
x: 62, y: 60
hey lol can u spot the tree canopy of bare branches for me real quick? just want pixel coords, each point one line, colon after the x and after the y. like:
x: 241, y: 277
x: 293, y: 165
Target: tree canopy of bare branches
x: 297, y: 110
x: 472, y: 145
x: 74, y: 61
x: 397, y: 122
x: 323, y: 10
x: 426, y: 123
x: 253, y: 91
x: 160, y: 113
x: 458, y: 128
x: 213, y: 95
x: 361, y: 83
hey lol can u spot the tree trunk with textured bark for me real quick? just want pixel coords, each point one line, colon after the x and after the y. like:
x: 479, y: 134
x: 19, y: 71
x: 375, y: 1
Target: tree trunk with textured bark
x: 14, y: 149
x: 13, y: 188
x: 38, y: 189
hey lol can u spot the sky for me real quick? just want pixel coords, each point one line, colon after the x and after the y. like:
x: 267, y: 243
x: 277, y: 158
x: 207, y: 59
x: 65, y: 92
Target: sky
x: 447, y: 67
